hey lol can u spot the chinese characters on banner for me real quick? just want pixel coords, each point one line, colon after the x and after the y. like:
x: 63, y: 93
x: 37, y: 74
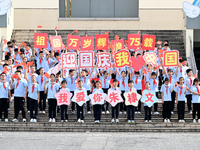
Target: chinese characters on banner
x: 149, y: 98
x: 97, y: 98
x: 122, y: 58
x: 73, y: 42
x: 40, y: 40
x: 53, y: 70
x: 56, y: 42
x: 132, y: 98
x: 117, y: 45
x: 133, y: 41
x: 68, y: 61
x: 102, y: 42
x: 171, y: 58
x: 63, y: 97
x: 87, y: 43
x: 148, y: 42
x: 114, y: 97
x: 150, y: 58
x: 103, y: 60
x: 80, y: 97
x: 86, y: 59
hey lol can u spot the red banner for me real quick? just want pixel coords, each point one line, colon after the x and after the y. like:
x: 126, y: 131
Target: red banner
x: 73, y: 42
x: 102, y: 41
x: 117, y: 45
x: 148, y: 42
x: 134, y: 41
x: 86, y: 59
x: 40, y: 40
x: 56, y: 42
x: 87, y: 43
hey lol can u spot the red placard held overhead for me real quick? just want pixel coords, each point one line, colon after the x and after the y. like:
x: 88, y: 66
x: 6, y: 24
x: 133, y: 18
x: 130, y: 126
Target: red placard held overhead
x: 148, y: 42
x: 117, y: 45
x: 102, y: 41
x: 134, y: 41
x: 87, y: 43
x: 73, y: 41
x: 40, y: 40
x: 56, y: 42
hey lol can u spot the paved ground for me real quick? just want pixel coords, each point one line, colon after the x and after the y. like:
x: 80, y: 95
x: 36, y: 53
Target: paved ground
x: 95, y: 141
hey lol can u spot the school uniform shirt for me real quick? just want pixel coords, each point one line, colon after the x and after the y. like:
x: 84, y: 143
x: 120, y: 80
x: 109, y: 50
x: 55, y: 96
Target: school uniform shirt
x: 71, y: 82
x: 49, y: 46
x: 189, y: 83
x: 166, y: 90
x: 154, y: 84
x: 147, y: 76
x: 52, y: 89
x: 137, y: 82
x: 167, y: 68
x: 19, y: 87
x: 27, y: 55
x: 33, y: 90
x: 180, y: 90
x: 123, y: 83
x: 101, y: 91
x: 86, y: 82
x: 41, y: 63
x: 41, y: 81
x: 125, y: 68
x: 172, y: 79
x: 105, y: 82
x: 94, y: 73
x: 130, y: 89
x: 48, y: 63
x: 67, y: 89
x: 116, y: 89
x: 195, y: 98
x: 8, y: 77
x: 181, y: 73
x: 4, y: 87
x: 29, y: 75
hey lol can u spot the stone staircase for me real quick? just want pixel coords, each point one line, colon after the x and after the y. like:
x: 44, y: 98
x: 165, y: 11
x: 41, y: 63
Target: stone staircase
x: 175, y: 37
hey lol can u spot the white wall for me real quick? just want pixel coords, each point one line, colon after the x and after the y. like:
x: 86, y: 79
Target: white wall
x: 36, y: 3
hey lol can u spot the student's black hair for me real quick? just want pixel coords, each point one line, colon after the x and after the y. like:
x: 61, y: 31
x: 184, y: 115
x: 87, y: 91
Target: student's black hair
x: 105, y: 72
x: 166, y: 45
x: 29, y: 45
x: 7, y: 57
x: 84, y: 70
x: 138, y: 54
x: 10, y: 46
x: 56, y: 54
x: 13, y: 41
x: 19, y: 67
x: 64, y: 81
x: 21, y: 53
x: 195, y: 80
x: 115, y: 80
x: 130, y: 81
x: 153, y: 74
x: 8, y: 54
x: 166, y: 79
x: 5, y: 65
x: 3, y: 73
x: 169, y: 70
x: 97, y: 82
x: 93, y: 82
x: 71, y: 70
x: 181, y: 78
x: 166, y: 41
x: 188, y: 70
x: 59, y: 72
x: 40, y: 52
x: 52, y: 75
x: 9, y: 42
x: 41, y: 68
x: 80, y: 81
x: 147, y: 82
x: 123, y: 71
x: 16, y: 50
x: 18, y: 71
x: 22, y: 50
x: 137, y: 72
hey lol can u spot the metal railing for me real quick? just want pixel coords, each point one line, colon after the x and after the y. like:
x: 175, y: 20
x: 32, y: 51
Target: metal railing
x: 192, y: 60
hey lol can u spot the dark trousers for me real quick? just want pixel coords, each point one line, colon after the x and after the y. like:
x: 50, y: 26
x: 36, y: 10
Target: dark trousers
x: 130, y: 109
x: 19, y: 103
x: 116, y: 108
x: 4, y: 106
x: 88, y: 102
x: 156, y: 104
x: 52, y: 108
x: 196, y: 109
x: 73, y: 103
x: 33, y: 105
x: 42, y: 103
x: 107, y: 104
x: 79, y: 110
x: 147, y: 111
x: 27, y: 102
x: 181, y: 110
x: 189, y: 101
x: 97, y: 112
x: 122, y: 105
x: 173, y: 94
x: 138, y: 108
x: 167, y: 109
x: 64, y: 111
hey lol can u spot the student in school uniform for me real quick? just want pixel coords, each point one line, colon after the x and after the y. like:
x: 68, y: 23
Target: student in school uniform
x: 51, y: 89
x: 80, y: 116
x: 115, y: 110
x: 64, y: 108
x: 5, y: 96
x: 86, y: 84
x: 40, y: 62
x: 41, y: 79
x: 181, y: 90
x: 20, y: 87
x: 33, y: 96
x: 189, y: 82
x: 166, y: 90
x: 97, y: 108
x: 147, y: 109
x: 130, y: 108
x: 123, y: 85
x: 196, y: 100
x: 71, y: 84
x: 105, y: 82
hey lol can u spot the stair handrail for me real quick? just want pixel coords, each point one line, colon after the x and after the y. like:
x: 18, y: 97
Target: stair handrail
x: 192, y: 58
x: 1, y: 47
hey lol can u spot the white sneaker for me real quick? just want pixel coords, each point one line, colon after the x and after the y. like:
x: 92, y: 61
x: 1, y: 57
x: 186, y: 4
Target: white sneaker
x: 28, y: 112
x: 32, y: 120
x: 107, y: 112
x: 168, y: 121
x: 113, y: 121
x: 172, y: 112
x: 146, y: 121
x: 50, y: 120
x: 66, y: 120
x: 79, y: 120
x: 24, y: 120
x: 89, y: 112
x: 139, y: 112
x: 117, y: 120
x: 35, y: 120
x: 156, y: 113
x: 40, y: 112
x: 62, y: 120
x: 15, y: 120
x: 103, y: 112
x: 198, y: 120
x: 180, y: 121
x: 129, y: 121
x: 165, y: 120
x: 96, y: 121
x: 190, y: 112
x: 194, y: 121
x: 73, y: 112
x: 120, y: 112
x: 183, y: 121
x: 132, y: 121
x: 43, y: 112
x: 20, y: 111
x: 150, y: 121
x: 136, y: 112
x: 53, y: 120
x: 82, y: 121
x: 124, y: 112
x: 6, y: 119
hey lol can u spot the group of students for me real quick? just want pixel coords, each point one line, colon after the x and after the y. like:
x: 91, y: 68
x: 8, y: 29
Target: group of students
x: 32, y: 86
